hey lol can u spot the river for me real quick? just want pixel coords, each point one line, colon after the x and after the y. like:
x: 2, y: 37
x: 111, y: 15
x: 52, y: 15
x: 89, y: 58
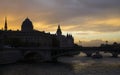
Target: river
x: 78, y: 65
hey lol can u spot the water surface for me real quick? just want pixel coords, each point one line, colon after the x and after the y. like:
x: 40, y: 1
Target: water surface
x: 78, y: 65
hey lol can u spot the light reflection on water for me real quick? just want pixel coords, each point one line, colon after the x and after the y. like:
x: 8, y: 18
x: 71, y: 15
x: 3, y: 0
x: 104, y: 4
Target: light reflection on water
x: 88, y: 66
x: 97, y: 69
x: 82, y: 59
x: 78, y: 65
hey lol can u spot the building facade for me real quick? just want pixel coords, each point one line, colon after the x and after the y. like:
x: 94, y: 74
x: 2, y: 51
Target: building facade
x: 29, y: 37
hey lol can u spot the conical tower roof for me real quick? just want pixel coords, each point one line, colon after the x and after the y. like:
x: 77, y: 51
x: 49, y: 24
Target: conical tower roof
x: 59, y: 32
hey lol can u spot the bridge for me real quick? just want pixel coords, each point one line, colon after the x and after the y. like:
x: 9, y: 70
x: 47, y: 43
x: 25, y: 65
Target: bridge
x: 51, y: 54
x: 89, y: 51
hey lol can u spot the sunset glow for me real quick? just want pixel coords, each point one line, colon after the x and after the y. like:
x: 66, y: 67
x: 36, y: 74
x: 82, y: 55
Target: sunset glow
x: 90, y: 21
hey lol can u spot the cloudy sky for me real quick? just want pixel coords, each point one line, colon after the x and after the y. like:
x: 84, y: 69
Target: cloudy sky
x: 90, y: 21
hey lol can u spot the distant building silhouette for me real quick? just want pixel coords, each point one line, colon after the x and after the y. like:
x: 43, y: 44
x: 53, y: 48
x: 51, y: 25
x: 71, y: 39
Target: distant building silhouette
x: 29, y: 37
x: 65, y: 41
x: 59, y: 32
x: 5, y: 27
x: 27, y: 26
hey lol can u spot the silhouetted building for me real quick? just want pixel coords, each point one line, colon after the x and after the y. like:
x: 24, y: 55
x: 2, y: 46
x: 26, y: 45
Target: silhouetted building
x: 5, y: 24
x: 59, y: 32
x: 29, y: 37
x: 64, y: 41
x: 27, y: 26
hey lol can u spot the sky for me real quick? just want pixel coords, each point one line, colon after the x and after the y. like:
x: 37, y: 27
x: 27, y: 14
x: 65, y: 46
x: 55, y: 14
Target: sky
x: 91, y: 22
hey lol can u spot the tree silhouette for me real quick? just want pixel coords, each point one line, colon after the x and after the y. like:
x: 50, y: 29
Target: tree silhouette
x: 106, y: 42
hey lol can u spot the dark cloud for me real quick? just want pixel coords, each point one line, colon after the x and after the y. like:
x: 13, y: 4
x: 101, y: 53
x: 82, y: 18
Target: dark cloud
x: 97, y: 28
x: 64, y: 11
x: 101, y: 3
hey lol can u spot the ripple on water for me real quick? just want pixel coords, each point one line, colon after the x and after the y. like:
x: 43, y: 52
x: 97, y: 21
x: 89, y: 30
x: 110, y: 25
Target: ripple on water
x: 69, y: 66
x: 97, y: 69
x: 37, y: 69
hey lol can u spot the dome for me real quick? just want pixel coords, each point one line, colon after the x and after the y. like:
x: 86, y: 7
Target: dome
x: 27, y: 25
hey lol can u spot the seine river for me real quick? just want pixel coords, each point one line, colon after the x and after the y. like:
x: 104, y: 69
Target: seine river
x: 78, y: 65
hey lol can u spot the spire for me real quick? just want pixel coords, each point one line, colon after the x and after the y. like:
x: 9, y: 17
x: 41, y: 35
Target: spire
x: 59, y: 32
x: 58, y: 26
x: 27, y: 18
x: 67, y: 35
x: 5, y: 27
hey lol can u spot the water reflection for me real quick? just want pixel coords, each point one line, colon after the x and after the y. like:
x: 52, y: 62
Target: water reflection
x: 82, y: 59
x: 37, y: 69
x: 97, y: 69
x: 88, y: 66
x: 78, y: 65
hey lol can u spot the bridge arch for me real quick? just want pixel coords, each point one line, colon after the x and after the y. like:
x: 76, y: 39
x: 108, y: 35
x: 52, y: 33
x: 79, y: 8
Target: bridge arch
x: 33, y: 57
x: 114, y: 54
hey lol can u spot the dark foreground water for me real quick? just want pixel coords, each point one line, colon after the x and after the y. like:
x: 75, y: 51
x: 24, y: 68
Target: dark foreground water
x: 69, y: 66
